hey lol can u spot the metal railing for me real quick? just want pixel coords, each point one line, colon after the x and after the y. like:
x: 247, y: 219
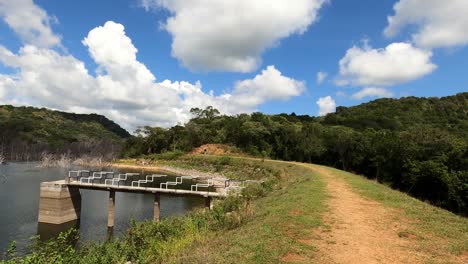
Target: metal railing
x: 208, y: 184
x: 77, y: 174
x: 148, y: 179
x: 110, y: 179
x: 178, y: 181
x: 121, y: 177
x: 97, y: 176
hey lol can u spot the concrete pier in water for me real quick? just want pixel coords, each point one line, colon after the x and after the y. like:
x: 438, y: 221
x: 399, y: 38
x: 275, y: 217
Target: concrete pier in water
x: 59, y: 203
x: 157, y: 207
x: 111, y: 209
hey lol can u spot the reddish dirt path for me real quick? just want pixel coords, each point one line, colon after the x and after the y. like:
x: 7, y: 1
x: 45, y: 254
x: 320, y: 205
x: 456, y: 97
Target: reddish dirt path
x: 360, y: 230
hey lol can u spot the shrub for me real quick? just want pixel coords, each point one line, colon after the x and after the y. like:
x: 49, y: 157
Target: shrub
x: 169, y: 155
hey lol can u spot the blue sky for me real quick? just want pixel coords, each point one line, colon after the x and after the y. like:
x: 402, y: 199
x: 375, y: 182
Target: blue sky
x: 113, y: 57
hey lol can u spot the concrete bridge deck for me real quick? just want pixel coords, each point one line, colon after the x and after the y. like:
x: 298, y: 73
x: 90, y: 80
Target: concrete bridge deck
x: 60, y: 201
x: 136, y: 189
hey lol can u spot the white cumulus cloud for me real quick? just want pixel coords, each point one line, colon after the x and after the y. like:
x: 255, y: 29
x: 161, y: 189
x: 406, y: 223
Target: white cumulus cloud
x: 395, y: 64
x: 124, y: 89
x: 5, y: 82
x: 326, y: 105
x: 246, y: 95
x: 373, y: 92
x: 30, y: 22
x: 231, y: 35
x: 45, y: 76
x: 270, y: 84
x: 321, y: 76
x: 115, y: 53
x: 437, y: 23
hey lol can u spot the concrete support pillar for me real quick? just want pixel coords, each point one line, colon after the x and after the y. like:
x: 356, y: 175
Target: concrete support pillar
x: 209, y: 203
x: 111, y: 209
x: 58, y: 203
x: 157, y: 207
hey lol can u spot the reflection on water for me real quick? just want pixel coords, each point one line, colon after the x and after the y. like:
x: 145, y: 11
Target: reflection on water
x: 19, y: 203
x: 48, y: 231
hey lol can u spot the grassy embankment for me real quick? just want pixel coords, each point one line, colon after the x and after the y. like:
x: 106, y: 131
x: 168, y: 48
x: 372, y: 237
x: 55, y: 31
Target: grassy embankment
x: 266, y: 225
x: 432, y: 229
x: 291, y: 210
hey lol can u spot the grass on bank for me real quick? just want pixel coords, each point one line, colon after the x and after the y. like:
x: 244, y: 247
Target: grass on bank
x: 282, y: 218
x: 231, y: 167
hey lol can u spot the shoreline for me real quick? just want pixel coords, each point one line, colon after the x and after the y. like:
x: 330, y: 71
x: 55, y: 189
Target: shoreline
x: 129, y: 166
x: 173, y: 170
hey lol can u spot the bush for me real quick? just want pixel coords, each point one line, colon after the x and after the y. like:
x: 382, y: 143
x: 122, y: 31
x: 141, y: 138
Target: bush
x: 170, y: 155
x: 59, y: 250
x: 225, y: 160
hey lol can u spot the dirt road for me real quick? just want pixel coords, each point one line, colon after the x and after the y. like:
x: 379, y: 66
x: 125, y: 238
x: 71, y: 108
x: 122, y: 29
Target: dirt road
x: 360, y: 230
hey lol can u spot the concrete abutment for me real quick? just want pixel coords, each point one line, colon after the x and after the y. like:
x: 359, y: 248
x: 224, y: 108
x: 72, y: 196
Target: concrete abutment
x: 59, y: 203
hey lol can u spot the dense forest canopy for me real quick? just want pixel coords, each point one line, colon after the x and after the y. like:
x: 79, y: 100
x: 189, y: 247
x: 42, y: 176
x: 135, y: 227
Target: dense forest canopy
x: 416, y: 145
x: 446, y: 113
x: 27, y: 132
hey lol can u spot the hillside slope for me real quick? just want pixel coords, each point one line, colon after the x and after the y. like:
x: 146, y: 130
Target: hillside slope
x: 25, y: 132
x: 447, y: 113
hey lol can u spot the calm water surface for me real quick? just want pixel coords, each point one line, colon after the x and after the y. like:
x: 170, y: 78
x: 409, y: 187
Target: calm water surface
x: 19, y: 203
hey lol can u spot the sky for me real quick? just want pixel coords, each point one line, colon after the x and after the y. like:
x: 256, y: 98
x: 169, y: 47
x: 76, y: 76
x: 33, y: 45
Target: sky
x: 148, y: 62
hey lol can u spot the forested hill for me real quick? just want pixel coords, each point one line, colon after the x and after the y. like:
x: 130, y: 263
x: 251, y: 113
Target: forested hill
x: 447, y: 113
x: 26, y: 132
x: 416, y: 145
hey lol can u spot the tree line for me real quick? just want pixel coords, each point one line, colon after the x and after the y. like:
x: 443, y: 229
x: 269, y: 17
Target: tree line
x: 26, y: 133
x: 415, y: 145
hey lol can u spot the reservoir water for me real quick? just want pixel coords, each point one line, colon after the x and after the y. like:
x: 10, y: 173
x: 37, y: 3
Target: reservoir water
x: 19, y: 202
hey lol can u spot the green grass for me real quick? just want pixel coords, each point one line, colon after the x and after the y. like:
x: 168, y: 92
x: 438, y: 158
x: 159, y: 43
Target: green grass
x: 286, y: 215
x: 292, y: 211
x: 436, y: 229
x: 231, y: 167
